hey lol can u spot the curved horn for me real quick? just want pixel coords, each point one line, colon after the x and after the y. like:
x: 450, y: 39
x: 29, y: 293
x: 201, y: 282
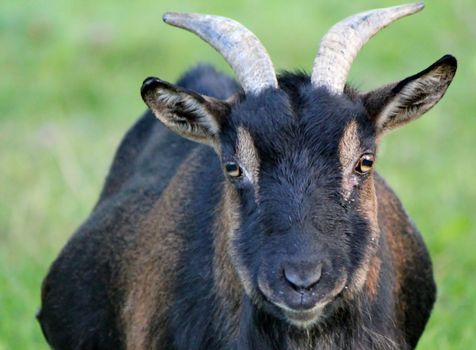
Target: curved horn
x: 240, y: 47
x: 344, y: 40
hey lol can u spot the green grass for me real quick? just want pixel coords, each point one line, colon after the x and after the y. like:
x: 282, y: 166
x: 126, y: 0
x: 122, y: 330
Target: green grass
x: 69, y: 79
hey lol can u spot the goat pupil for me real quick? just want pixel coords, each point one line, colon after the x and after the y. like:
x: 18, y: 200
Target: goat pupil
x: 232, y: 169
x: 366, y: 163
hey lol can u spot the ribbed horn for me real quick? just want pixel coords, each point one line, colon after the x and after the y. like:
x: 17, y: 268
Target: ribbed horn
x: 240, y: 47
x: 344, y: 40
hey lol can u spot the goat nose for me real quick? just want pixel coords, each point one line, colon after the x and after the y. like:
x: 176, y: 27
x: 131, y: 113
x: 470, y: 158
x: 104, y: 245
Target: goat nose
x: 302, y: 278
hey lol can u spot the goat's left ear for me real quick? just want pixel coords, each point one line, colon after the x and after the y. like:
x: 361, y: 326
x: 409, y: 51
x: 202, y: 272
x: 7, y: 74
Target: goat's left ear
x: 187, y: 113
x: 398, y: 103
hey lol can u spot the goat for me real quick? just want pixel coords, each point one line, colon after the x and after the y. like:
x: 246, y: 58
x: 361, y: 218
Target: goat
x: 254, y: 219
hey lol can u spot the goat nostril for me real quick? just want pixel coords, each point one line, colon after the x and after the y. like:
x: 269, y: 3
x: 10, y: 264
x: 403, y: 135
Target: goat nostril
x: 302, y: 279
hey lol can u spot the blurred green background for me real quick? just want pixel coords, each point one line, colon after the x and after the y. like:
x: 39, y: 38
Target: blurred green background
x: 70, y: 73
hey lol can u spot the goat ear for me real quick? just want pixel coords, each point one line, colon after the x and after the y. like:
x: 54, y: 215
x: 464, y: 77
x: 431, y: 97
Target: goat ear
x: 399, y: 103
x: 185, y: 112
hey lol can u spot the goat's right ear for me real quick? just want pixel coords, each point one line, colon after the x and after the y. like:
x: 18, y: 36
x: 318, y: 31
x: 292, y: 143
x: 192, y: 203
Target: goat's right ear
x: 191, y: 115
x: 399, y: 103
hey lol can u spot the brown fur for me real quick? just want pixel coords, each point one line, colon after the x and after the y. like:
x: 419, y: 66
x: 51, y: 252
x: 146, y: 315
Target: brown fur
x: 149, y: 267
x: 373, y: 277
x: 226, y: 279
x: 407, y: 253
x: 349, y: 147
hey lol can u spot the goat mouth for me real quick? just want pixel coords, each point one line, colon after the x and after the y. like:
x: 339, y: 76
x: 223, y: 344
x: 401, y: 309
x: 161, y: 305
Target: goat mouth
x: 303, y: 317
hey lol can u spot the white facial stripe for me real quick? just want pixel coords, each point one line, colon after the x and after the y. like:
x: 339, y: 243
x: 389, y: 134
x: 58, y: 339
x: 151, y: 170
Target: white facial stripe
x: 349, y: 145
x: 247, y: 154
x: 349, y: 148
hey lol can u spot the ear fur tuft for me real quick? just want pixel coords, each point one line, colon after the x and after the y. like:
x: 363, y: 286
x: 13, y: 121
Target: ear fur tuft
x: 189, y: 114
x: 402, y: 102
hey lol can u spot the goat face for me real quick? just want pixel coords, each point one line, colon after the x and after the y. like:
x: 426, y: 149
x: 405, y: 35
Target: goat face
x: 303, y: 202
x: 297, y: 154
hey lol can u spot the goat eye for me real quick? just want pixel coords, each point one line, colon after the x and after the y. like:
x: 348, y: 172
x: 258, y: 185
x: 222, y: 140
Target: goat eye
x: 233, y: 169
x: 365, y: 163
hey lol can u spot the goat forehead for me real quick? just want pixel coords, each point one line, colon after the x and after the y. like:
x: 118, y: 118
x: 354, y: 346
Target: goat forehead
x: 302, y: 141
x: 298, y: 119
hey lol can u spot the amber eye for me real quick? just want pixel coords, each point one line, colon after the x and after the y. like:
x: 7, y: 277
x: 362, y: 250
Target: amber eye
x: 233, y: 169
x: 365, y: 163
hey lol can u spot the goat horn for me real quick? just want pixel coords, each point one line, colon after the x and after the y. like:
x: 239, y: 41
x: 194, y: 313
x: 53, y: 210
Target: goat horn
x: 344, y: 40
x: 240, y: 47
